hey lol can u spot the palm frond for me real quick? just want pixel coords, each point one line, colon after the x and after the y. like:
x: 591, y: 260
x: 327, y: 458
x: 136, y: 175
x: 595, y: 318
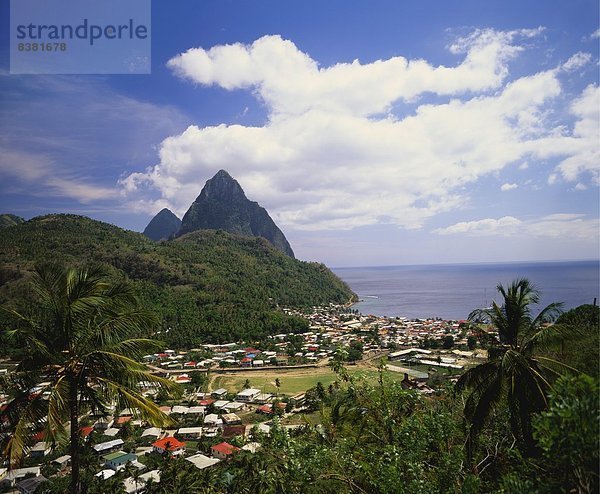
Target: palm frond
x: 550, y: 337
x: 477, y: 376
x: 58, y: 408
x: 548, y: 314
x: 147, y: 410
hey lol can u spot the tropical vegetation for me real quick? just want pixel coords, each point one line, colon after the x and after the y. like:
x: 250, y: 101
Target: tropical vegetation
x: 206, y: 286
x: 82, y: 340
x: 536, y: 402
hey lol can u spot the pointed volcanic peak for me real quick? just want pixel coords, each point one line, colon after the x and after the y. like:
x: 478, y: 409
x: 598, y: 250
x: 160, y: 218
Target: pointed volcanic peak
x: 162, y: 226
x: 222, y: 205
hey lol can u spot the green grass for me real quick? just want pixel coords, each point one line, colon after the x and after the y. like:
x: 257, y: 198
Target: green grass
x: 291, y: 383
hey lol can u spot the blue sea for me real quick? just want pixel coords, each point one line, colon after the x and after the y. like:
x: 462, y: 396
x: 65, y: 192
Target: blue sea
x: 451, y: 291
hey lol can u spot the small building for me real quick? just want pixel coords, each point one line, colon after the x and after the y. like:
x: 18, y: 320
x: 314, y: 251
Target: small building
x: 212, y: 419
x: 231, y: 419
x: 111, y: 431
x: 265, y: 409
x: 169, y: 445
x: 118, y: 460
x: 233, y: 406
x: 108, y: 446
x: 224, y: 450
x: 189, y: 433
x: 62, y: 461
x: 133, y: 486
x: 12, y: 476
x: 220, y: 404
x: 86, y: 431
x: 230, y: 431
x: 201, y: 461
x: 218, y: 394
x: 122, y: 420
x: 40, y: 449
x: 252, y: 447
x: 104, y: 423
x: 248, y: 395
x: 263, y: 398
x: 30, y: 485
x: 151, y: 432
x: 105, y: 474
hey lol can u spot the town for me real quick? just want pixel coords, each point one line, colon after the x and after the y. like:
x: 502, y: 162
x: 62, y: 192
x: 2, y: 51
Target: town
x: 232, y: 394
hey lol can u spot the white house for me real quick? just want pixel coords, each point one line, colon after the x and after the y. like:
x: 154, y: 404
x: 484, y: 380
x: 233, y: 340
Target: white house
x: 248, y: 395
x: 200, y: 461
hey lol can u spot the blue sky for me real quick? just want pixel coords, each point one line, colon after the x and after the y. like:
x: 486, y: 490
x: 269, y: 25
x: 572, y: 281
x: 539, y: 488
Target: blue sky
x: 374, y: 133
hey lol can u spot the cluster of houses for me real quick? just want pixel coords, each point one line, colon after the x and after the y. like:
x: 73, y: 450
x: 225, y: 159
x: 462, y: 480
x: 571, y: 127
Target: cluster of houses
x: 337, y: 326
x: 226, y: 355
x: 212, y: 417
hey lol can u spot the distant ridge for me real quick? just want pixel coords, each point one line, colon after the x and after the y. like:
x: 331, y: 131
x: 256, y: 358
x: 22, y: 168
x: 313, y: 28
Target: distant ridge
x: 163, y: 225
x: 7, y: 220
x: 223, y: 205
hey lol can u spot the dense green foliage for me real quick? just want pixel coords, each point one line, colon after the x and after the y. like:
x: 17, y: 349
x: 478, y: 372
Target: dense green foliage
x: 206, y: 285
x: 582, y: 352
x: 383, y: 439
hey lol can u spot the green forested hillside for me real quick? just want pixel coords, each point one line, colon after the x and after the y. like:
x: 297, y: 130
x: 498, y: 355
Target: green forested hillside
x: 207, y: 285
x: 7, y: 220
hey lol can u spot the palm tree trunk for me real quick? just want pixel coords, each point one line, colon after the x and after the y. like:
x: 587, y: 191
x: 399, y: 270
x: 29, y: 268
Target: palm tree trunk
x: 74, y: 419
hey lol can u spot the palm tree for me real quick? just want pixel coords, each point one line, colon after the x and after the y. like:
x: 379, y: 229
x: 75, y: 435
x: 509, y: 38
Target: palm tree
x: 514, y: 372
x: 277, y: 385
x: 82, y: 340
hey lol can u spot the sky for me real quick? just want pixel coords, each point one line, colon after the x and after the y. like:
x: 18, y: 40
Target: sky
x: 374, y: 132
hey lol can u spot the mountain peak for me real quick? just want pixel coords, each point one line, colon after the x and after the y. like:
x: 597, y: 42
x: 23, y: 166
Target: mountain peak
x: 223, y: 205
x: 163, y: 225
x: 223, y: 187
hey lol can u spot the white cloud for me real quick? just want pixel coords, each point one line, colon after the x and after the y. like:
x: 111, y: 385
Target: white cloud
x: 506, y: 187
x: 566, y: 225
x: 586, y: 133
x: 334, y: 155
x: 291, y: 82
x: 577, y: 61
x: 507, y: 225
x: 594, y: 35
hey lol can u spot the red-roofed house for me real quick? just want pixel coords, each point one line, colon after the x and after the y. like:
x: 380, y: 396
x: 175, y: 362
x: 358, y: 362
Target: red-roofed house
x: 223, y: 451
x: 206, y: 402
x: 266, y: 409
x: 39, y: 436
x: 85, y: 431
x: 122, y: 420
x: 169, y: 445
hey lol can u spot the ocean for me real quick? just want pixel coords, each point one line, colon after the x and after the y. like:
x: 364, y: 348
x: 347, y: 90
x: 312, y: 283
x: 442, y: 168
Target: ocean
x: 451, y: 291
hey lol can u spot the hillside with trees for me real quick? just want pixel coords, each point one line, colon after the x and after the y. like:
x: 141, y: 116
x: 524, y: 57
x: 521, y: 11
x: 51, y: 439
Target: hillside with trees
x: 208, y: 286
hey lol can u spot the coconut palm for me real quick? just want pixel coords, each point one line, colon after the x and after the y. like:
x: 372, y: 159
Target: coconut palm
x: 514, y: 372
x: 82, y: 339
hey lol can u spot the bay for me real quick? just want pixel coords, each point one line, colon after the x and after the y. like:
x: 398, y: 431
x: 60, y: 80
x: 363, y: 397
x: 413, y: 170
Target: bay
x: 451, y: 291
